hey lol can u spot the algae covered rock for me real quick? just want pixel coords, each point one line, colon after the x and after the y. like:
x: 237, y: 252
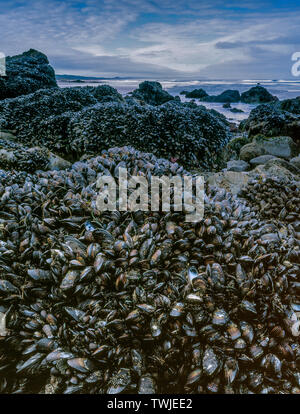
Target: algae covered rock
x: 250, y: 151
x: 282, y: 147
x: 236, y: 143
x: 262, y: 159
x: 229, y: 180
x: 278, y: 168
x: 296, y: 161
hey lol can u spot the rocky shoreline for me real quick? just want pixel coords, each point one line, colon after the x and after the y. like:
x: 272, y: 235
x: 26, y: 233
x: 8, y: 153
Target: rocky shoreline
x: 144, y: 302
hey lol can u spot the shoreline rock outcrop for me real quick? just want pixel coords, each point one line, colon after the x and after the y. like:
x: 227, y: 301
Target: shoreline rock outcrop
x: 152, y: 93
x: 256, y: 95
x: 281, y: 118
x: 26, y: 73
x: 73, y: 121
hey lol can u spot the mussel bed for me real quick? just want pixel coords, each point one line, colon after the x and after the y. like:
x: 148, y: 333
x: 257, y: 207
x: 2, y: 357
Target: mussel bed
x: 112, y: 302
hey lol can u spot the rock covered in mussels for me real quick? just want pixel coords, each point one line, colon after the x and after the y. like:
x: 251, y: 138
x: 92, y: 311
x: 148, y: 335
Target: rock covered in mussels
x: 272, y: 197
x: 15, y: 156
x: 281, y: 118
x: 73, y: 121
x: 156, y: 304
x: 26, y: 73
x: 193, y: 136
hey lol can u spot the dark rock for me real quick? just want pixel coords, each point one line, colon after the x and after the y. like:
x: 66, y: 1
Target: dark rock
x: 291, y: 105
x: 227, y: 96
x: 76, y: 121
x: 196, y: 94
x: 273, y: 120
x: 236, y: 110
x: 227, y: 105
x: 152, y: 93
x: 233, y: 127
x: 26, y: 73
x: 257, y: 94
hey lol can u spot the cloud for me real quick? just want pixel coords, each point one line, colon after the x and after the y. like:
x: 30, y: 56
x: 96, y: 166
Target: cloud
x: 155, y: 38
x: 111, y: 66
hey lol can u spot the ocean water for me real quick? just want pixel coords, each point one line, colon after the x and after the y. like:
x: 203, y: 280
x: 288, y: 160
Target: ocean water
x: 283, y: 89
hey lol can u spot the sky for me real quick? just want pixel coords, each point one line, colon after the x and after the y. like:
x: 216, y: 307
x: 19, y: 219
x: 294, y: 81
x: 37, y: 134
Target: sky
x: 157, y: 39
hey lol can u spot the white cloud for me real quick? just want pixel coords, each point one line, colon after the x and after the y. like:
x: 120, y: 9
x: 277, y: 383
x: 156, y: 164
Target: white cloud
x: 113, y: 36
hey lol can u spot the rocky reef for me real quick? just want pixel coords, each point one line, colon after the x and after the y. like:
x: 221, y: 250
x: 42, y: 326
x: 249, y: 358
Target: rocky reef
x: 26, y: 73
x: 279, y: 118
x: 195, y: 94
x: 73, y: 121
x: 152, y: 93
x: 226, y: 96
x: 256, y: 95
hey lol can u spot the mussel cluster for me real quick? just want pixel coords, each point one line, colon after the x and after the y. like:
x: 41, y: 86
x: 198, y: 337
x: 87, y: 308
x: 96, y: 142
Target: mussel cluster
x: 274, y: 197
x: 112, y: 302
x: 18, y: 156
x: 85, y: 120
